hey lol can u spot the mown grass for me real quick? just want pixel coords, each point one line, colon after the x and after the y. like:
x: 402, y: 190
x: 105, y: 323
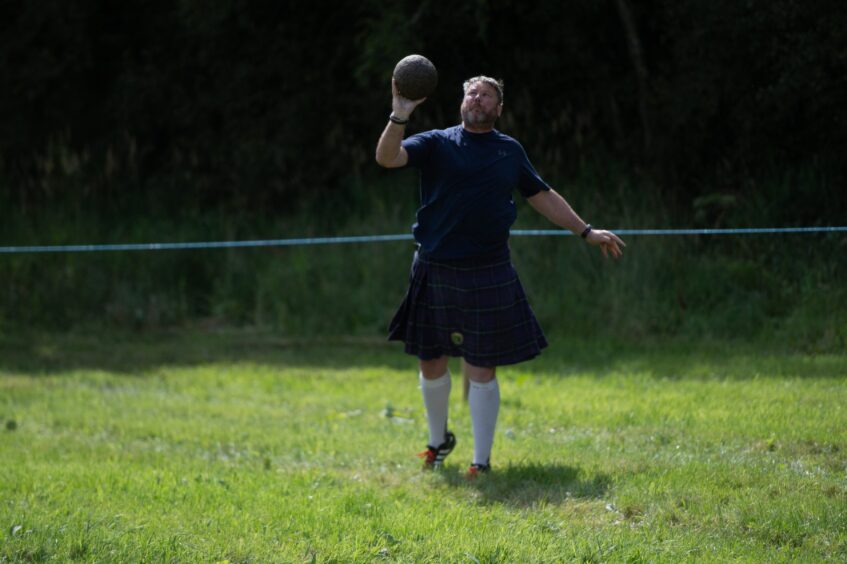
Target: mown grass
x: 246, y: 447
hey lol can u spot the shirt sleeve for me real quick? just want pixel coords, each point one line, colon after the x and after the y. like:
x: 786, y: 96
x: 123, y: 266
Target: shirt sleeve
x: 419, y: 148
x: 530, y: 182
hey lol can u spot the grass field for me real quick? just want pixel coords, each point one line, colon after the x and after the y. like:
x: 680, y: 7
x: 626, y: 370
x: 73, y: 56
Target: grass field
x: 245, y: 447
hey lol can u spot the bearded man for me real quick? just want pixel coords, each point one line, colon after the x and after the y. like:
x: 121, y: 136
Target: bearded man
x: 464, y: 297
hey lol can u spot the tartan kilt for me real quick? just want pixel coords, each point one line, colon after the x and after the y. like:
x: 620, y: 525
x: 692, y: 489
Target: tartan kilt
x: 473, y: 308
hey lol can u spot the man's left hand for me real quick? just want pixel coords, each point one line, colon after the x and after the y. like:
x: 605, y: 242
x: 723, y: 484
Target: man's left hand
x: 608, y: 242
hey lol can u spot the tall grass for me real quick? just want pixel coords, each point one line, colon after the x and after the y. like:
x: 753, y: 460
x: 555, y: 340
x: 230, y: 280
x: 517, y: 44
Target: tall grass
x: 787, y: 288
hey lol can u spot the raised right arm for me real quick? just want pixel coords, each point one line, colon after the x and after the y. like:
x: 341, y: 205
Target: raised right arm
x: 389, y: 151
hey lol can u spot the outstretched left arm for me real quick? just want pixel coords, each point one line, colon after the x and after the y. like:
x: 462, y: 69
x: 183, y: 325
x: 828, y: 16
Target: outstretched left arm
x: 554, y: 207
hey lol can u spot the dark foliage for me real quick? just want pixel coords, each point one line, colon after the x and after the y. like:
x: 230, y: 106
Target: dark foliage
x: 252, y: 105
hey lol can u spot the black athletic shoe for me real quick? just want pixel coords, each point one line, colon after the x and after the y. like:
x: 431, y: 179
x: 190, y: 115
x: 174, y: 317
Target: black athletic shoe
x: 477, y: 469
x: 434, y: 456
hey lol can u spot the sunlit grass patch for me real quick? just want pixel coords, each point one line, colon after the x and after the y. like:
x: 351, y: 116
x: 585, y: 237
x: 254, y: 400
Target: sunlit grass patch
x: 250, y: 448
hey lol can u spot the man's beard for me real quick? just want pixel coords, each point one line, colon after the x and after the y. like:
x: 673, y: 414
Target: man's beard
x: 478, y: 117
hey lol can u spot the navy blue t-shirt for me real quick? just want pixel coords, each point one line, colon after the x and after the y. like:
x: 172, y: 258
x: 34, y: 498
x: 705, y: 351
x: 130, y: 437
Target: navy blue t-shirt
x: 467, y: 180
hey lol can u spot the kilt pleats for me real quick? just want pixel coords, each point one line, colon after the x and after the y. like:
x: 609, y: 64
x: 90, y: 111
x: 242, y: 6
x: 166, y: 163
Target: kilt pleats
x: 473, y: 308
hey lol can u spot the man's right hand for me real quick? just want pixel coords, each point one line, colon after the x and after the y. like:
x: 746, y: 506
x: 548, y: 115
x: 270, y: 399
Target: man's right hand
x: 402, y: 107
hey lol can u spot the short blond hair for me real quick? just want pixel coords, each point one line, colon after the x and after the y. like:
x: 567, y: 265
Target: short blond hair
x: 495, y: 83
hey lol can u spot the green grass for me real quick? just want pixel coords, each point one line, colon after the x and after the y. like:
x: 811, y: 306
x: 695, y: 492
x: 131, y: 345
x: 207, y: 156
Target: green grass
x: 245, y: 447
x: 785, y: 288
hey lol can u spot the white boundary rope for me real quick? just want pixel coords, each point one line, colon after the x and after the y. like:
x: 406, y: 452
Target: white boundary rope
x: 384, y: 238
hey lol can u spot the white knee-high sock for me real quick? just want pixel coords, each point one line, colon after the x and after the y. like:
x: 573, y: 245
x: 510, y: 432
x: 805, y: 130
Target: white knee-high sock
x: 484, y: 401
x: 436, y: 396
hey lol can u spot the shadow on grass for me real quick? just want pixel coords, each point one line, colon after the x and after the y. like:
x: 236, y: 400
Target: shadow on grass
x: 524, y: 485
x: 143, y: 352
x: 137, y: 353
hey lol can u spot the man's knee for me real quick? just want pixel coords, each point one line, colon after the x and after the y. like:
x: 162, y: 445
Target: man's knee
x: 435, y: 368
x: 481, y: 374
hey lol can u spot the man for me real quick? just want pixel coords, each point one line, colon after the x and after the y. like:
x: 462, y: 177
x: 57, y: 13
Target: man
x: 464, y: 296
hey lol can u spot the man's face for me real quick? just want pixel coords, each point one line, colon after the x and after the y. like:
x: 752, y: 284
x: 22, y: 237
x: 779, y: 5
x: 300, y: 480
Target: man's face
x: 480, y: 106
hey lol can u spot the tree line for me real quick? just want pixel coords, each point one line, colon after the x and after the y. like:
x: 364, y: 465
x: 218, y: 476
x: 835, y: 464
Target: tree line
x: 256, y: 104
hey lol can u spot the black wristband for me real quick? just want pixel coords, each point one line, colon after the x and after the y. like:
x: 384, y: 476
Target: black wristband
x: 587, y: 230
x: 394, y: 119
